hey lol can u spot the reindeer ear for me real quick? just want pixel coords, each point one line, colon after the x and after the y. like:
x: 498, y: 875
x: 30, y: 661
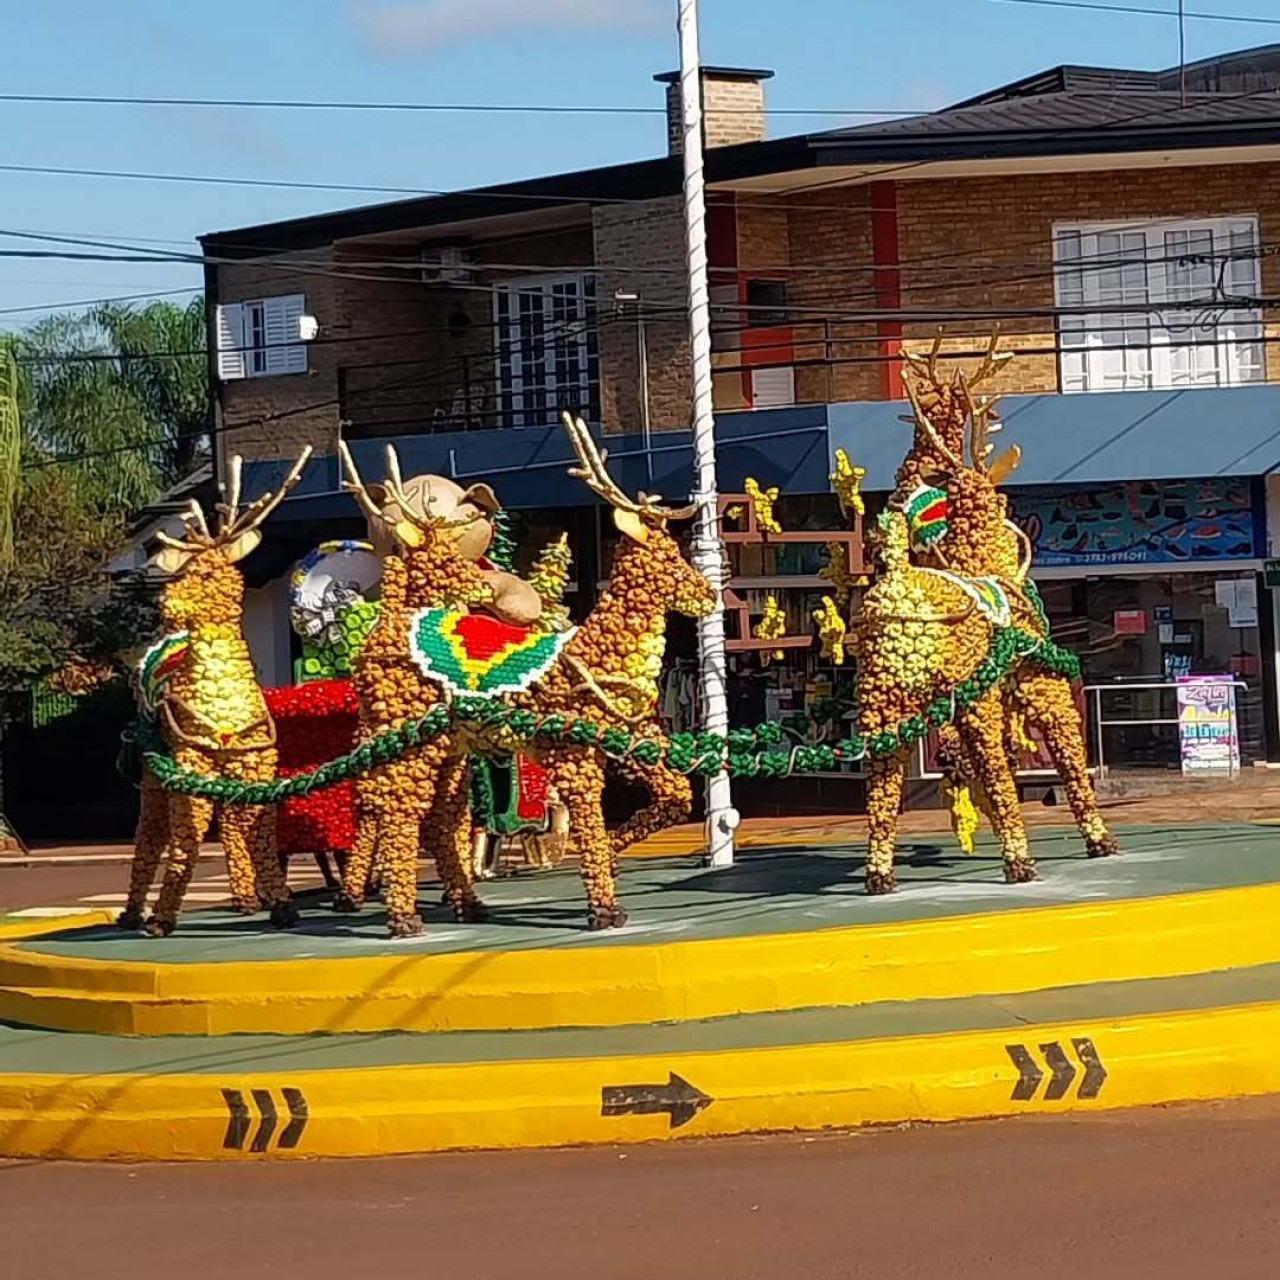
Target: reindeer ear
x: 629, y: 524
x: 1005, y: 465
x: 240, y: 546
x: 482, y: 496
x: 409, y: 534
x: 170, y: 560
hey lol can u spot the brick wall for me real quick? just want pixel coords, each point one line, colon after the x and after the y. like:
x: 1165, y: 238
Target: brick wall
x: 629, y: 239
x: 249, y: 405
x: 732, y: 112
x: 1001, y: 231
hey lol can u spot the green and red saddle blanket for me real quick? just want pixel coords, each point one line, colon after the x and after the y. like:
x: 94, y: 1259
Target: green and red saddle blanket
x: 157, y: 665
x: 472, y: 653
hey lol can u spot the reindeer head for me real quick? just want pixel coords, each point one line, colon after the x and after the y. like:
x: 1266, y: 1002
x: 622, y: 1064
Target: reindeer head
x: 649, y: 550
x: 204, y: 585
x: 944, y: 413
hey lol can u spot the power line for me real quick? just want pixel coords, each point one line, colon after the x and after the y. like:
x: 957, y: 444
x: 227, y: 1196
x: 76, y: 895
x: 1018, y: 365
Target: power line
x: 93, y: 302
x: 1094, y: 7
x: 485, y: 108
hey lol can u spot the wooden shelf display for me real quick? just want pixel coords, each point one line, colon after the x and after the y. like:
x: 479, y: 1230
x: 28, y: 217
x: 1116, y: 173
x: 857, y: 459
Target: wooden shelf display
x: 740, y: 529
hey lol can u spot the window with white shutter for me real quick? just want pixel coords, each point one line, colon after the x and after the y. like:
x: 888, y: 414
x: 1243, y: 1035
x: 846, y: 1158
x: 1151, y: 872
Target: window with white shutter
x: 1158, y: 304
x: 261, y: 338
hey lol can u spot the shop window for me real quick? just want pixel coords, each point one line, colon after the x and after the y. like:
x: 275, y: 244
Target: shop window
x: 1163, y: 304
x: 545, y: 349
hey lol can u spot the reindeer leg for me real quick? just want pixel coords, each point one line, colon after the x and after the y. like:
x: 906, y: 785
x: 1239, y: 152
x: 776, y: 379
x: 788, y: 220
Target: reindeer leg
x: 578, y: 776
x: 671, y: 803
x: 982, y: 728
x: 447, y: 833
x: 886, y: 783
x: 189, y: 819
x: 148, y: 848
x: 355, y: 875
x: 1049, y: 705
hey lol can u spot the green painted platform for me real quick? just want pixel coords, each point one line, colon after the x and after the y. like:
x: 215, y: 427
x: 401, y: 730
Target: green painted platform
x: 786, y: 889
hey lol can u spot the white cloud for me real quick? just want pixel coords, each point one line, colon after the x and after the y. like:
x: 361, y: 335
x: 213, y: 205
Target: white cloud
x: 417, y: 26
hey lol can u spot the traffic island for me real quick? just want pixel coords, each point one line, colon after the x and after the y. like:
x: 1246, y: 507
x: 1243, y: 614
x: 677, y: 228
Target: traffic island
x: 770, y: 996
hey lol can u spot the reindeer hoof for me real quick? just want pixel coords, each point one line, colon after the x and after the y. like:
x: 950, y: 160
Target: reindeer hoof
x: 470, y: 911
x: 1020, y: 872
x: 1104, y: 848
x: 130, y: 918
x: 613, y: 917
x: 345, y: 905
x: 879, y: 882
x: 405, y: 926
x: 246, y: 906
x: 157, y: 928
x: 284, y: 915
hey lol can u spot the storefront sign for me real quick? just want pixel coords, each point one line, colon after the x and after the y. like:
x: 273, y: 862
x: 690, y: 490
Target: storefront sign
x: 1207, y: 725
x: 1130, y: 622
x: 1271, y: 573
x: 1141, y: 522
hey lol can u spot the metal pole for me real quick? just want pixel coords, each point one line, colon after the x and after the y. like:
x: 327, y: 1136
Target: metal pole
x: 708, y: 555
x: 1182, y: 53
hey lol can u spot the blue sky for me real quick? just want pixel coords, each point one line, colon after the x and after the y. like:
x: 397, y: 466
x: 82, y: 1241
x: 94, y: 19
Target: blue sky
x: 827, y: 54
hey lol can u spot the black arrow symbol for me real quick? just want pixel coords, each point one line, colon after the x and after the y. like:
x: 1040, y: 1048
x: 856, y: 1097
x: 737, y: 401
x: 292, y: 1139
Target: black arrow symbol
x: 1095, y: 1074
x: 298, y: 1113
x: 1063, y: 1071
x: 264, y: 1103
x: 677, y: 1099
x: 238, y: 1124
x: 1029, y: 1073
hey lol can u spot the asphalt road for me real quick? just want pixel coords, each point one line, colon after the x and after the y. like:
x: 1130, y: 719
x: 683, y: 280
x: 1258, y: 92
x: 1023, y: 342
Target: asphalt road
x: 1186, y: 1193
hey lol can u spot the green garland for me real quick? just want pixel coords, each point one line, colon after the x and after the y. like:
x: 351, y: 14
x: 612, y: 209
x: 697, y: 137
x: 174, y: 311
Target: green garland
x: 744, y: 753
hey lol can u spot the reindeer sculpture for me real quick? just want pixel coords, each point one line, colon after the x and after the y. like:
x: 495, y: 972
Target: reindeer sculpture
x: 604, y: 671
x: 212, y: 715
x: 980, y: 540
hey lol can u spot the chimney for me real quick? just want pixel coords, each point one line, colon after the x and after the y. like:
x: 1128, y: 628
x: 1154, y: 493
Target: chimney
x: 732, y: 107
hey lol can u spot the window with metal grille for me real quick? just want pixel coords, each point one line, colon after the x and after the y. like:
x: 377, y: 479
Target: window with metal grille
x: 1158, y: 304
x: 545, y: 349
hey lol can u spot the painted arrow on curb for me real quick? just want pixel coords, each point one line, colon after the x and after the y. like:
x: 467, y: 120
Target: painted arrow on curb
x: 240, y: 1119
x: 1060, y: 1068
x: 677, y: 1099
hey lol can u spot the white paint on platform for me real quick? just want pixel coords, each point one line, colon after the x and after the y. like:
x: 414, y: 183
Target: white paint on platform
x: 48, y: 913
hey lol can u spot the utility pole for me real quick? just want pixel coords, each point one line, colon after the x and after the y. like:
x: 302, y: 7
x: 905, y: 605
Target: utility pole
x: 708, y: 555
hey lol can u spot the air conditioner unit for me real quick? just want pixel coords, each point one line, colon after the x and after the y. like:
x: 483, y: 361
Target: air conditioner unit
x: 447, y: 264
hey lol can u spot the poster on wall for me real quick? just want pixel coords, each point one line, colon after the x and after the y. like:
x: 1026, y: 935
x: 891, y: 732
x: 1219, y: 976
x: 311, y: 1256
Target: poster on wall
x: 1207, y: 731
x: 1141, y: 522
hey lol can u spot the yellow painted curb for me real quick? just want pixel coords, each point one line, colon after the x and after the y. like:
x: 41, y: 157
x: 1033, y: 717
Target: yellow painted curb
x: 613, y: 985
x: 19, y: 926
x: 1161, y: 1058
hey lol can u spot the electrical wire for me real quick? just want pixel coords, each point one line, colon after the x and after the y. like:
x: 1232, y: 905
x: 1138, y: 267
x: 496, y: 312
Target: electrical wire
x: 482, y: 108
x: 1093, y: 6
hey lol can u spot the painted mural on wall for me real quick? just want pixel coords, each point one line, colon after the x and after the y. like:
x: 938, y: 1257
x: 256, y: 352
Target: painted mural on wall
x: 1141, y: 522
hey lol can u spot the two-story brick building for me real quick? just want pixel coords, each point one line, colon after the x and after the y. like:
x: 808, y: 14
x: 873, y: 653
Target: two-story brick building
x: 1119, y: 225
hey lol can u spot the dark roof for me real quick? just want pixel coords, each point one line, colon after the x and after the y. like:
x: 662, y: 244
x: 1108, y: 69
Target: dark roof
x: 720, y: 73
x: 1232, y: 100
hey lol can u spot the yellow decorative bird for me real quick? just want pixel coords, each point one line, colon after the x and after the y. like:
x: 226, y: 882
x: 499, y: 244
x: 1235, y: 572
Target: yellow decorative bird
x: 846, y: 480
x: 762, y: 501
x: 771, y: 626
x: 831, y: 629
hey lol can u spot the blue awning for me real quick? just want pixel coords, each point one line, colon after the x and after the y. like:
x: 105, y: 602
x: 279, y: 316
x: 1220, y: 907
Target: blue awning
x: 1072, y: 439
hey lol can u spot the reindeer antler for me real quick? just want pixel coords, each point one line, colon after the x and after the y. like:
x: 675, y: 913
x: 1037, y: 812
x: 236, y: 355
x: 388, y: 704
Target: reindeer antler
x: 235, y: 522
x: 594, y: 472
x: 926, y: 425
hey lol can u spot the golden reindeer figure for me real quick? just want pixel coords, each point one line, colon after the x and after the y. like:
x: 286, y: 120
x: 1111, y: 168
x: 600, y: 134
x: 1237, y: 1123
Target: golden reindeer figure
x: 605, y: 671
x: 212, y: 716
x: 980, y: 540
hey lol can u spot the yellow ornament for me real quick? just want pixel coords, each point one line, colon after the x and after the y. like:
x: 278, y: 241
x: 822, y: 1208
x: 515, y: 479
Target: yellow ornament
x: 846, y: 480
x: 772, y: 626
x: 762, y: 501
x: 836, y: 572
x: 831, y: 629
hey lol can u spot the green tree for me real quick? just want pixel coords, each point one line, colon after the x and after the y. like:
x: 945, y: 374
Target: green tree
x: 112, y: 408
